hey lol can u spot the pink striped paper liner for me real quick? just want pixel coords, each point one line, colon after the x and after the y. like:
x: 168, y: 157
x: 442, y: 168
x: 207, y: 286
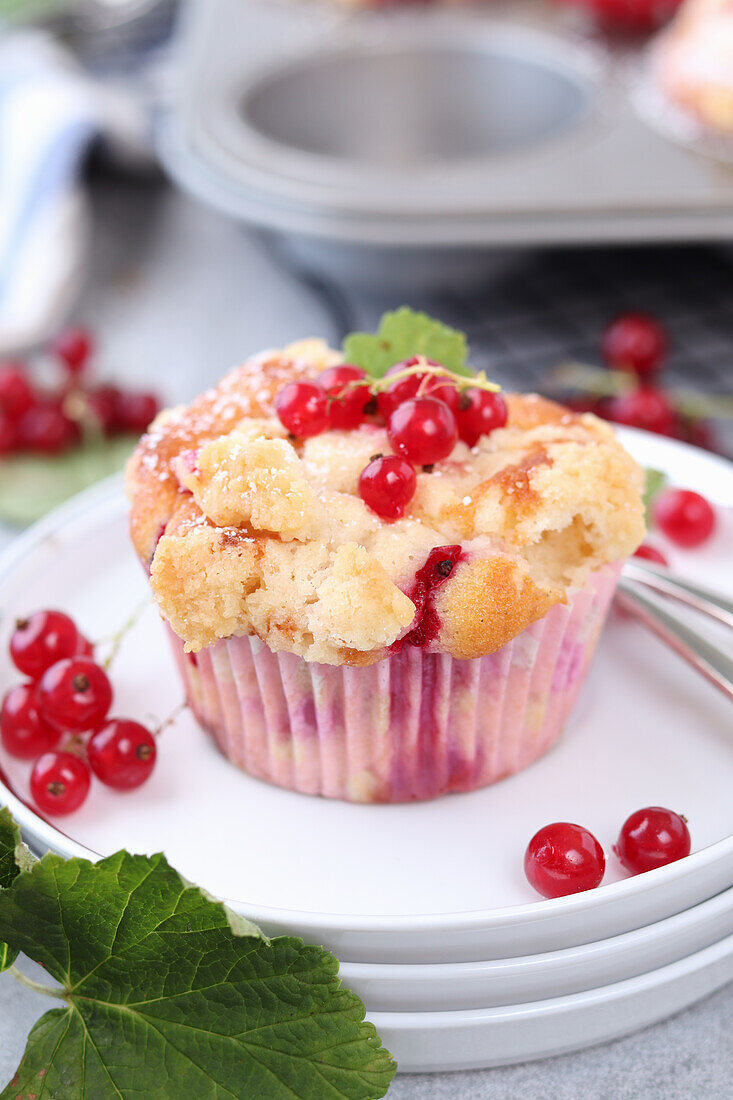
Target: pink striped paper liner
x: 414, y: 726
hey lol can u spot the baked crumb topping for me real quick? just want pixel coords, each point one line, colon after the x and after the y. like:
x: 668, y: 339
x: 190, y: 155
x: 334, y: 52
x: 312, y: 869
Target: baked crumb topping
x: 246, y: 531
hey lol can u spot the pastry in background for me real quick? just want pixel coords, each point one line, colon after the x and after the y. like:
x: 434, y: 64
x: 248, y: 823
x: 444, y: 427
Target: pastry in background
x: 693, y: 62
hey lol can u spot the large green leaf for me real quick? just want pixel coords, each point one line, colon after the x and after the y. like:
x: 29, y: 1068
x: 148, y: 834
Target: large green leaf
x: 14, y: 857
x: 31, y: 485
x: 401, y: 335
x: 170, y: 998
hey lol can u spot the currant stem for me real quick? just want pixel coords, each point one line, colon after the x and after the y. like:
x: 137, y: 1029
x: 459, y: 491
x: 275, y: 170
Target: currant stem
x: 45, y: 990
x: 118, y: 637
x: 170, y: 719
x: 462, y: 382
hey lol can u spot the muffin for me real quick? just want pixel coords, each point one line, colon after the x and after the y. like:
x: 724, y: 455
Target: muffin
x: 342, y: 632
x: 693, y: 63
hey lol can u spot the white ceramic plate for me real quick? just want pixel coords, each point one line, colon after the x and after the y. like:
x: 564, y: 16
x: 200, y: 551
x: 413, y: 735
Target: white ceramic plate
x: 433, y: 882
x: 502, y: 982
x: 433, y: 1041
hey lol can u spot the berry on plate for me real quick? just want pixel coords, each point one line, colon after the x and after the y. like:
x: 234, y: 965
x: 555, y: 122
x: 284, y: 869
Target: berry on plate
x: 23, y: 731
x: 122, y: 754
x: 685, y: 517
x: 563, y: 858
x: 41, y: 640
x: 651, y: 838
x: 74, y: 695
x: 60, y: 782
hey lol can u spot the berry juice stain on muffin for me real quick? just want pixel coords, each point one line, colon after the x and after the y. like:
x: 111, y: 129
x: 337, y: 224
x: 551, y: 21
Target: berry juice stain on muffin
x: 428, y: 579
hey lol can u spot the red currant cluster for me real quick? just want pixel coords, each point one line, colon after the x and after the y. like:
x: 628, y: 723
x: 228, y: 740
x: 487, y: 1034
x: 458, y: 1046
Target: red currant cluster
x: 67, y: 696
x: 426, y: 410
x: 567, y: 859
x: 51, y: 421
x: 636, y: 345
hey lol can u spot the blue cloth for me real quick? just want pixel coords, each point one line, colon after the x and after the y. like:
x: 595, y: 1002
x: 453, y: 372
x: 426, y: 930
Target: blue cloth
x: 48, y: 116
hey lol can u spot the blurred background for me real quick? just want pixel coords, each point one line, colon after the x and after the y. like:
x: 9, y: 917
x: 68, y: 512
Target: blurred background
x: 183, y: 184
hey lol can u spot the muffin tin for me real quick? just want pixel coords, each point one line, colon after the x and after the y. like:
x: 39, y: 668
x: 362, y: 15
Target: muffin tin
x: 365, y: 136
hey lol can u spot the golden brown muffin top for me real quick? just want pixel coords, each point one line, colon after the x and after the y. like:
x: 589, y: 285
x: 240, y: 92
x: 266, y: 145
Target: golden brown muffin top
x: 247, y: 531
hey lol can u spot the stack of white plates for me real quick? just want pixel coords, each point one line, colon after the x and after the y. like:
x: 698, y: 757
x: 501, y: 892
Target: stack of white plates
x: 459, y: 963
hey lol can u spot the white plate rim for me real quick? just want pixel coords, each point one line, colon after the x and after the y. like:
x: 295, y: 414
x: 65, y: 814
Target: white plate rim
x: 618, y: 991
x: 484, y: 920
x: 696, y: 917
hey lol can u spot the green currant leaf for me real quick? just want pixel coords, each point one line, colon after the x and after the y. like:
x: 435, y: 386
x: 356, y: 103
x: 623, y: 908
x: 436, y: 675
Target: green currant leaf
x: 14, y: 858
x: 655, y: 482
x: 169, y: 996
x: 401, y: 335
x: 31, y: 485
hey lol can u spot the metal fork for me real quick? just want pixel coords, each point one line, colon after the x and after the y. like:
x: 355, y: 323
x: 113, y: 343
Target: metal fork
x: 650, y: 594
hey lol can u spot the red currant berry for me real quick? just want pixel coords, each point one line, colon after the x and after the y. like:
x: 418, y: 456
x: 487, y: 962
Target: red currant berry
x: 650, y: 553
x: 135, y: 411
x: 635, y: 342
x: 428, y: 386
x: 422, y: 430
x: 73, y: 347
x: 346, y: 401
x: 84, y: 648
x: 23, y: 732
x: 45, y: 428
x: 443, y: 390
x: 629, y: 17
x: 74, y: 695
x: 584, y: 405
x: 16, y: 392
x: 60, y: 782
x: 686, y: 518
x: 651, y: 838
x: 387, y: 485
x: 697, y: 432
x: 41, y: 640
x: 122, y: 754
x: 480, y: 412
x: 563, y: 859
x: 303, y: 409
x: 8, y: 434
x: 644, y: 408
x: 103, y: 404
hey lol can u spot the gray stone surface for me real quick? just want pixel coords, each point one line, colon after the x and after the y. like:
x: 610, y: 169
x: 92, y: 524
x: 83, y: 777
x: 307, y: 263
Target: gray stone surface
x: 176, y: 295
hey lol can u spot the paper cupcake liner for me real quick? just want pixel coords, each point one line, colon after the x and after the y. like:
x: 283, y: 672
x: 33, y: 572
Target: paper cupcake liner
x: 414, y: 726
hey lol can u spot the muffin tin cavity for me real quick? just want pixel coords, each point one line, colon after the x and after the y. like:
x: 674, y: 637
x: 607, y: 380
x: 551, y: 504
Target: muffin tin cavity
x: 403, y: 107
